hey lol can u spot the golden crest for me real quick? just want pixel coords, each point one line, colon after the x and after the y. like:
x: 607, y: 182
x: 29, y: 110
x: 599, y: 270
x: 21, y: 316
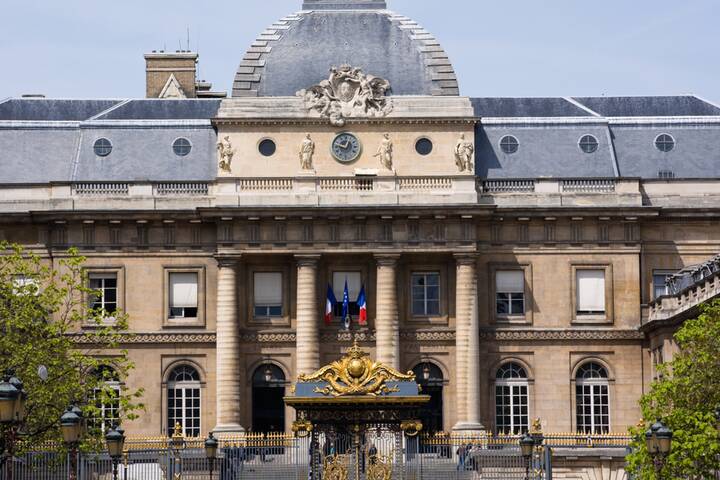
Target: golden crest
x: 356, y: 374
x: 334, y: 468
x: 379, y: 468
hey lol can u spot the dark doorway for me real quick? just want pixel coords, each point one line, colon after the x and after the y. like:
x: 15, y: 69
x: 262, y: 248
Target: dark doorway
x: 268, y: 407
x: 430, y: 378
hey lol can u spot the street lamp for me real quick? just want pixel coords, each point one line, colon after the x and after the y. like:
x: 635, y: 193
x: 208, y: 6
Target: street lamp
x: 426, y: 373
x: 211, y: 448
x: 71, y: 427
x: 527, y: 446
x: 21, y: 399
x: 8, y: 401
x: 658, y: 440
x: 268, y: 374
x: 115, y: 441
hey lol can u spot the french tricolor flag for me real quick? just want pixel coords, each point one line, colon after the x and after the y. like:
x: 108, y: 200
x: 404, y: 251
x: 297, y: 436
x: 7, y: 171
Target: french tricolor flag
x: 362, y: 303
x: 329, y: 306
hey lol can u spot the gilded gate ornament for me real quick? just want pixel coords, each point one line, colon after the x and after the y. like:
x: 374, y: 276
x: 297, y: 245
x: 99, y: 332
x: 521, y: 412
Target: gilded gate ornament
x: 379, y: 468
x: 334, y: 468
x: 356, y: 374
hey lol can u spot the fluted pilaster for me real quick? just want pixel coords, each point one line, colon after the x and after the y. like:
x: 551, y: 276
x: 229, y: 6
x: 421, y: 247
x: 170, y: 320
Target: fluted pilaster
x: 308, y: 315
x: 228, y: 348
x: 386, y: 322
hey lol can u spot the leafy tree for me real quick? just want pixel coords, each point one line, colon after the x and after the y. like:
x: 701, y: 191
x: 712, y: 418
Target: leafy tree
x: 685, y: 398
x: 42, y: 309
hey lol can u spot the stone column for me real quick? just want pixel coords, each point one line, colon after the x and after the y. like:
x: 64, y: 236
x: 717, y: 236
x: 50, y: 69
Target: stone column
x: 467, y: 345
x: 386, y: 322
x: 308, y: 315
x: 227, y: 348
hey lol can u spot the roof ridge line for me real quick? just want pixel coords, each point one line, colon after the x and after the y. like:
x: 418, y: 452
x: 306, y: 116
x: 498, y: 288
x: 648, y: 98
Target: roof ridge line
x: 702, y: 99
x: 117, y: 105
x: 5, y: 100
x: 583, y: 107
x: 76, y: 161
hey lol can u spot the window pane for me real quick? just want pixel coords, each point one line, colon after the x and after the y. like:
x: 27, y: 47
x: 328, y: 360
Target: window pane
x: 183, y: 289
x: 354, y: 282
x: 591, y: 291
x: 510, y: 281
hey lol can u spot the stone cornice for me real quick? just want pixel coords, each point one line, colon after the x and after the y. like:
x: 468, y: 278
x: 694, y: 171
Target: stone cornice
x: 86, y: 338
x: 559, y: 335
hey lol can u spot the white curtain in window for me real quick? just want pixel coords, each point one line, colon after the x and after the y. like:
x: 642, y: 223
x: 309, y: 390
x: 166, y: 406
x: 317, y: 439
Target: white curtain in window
x: 591, y: 290
x: 510, y: 281
x: 354, y: 281
x: 268, y: 288
x: 183, y: 290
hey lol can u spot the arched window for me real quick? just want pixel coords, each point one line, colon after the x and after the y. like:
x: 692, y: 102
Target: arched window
x: 268, y: 406
x: 106, y: 399
x: 430, y: 378
x: 592, y: 399
x: 511, y: 399
x: 184, y: 401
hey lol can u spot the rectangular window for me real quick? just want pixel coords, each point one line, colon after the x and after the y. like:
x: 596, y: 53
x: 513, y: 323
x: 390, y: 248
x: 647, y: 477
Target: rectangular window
x: 660, y: 288
x: 183, y: 295
x: 106, y: 285
x: 590, y: 292
x: 268, y: 294
x: 425, y: 294
x: 354, y: 283
x: 510, y: 292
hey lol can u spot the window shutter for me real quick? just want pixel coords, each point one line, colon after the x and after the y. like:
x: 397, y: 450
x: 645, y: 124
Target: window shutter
x: 591, y: 290
x: 183, y: 290
x: 354, y: 281
x: 268, y: 288
x: 510, y: 281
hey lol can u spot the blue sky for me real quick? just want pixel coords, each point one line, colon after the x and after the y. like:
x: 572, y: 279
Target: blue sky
x: 94, y: 48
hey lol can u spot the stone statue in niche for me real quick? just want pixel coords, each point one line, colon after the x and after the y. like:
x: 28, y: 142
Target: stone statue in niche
x: 348, y: 93
x: 226, y: 154
x: 307, y: 150
x: 385, y: 152
x: 464, y: 151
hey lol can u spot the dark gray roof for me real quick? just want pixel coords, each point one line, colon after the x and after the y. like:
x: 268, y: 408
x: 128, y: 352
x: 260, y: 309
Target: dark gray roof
x: 37, y: 155
x: 298, y: 51
x: 527, y: 107
x: 343, y: 4
x: 37, y: 109
x: 544, y: 151
x: 190, y: 109
x: 678, y: 106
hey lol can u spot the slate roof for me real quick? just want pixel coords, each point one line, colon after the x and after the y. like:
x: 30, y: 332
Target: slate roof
x: 527, y: 107
x: 155, y: 109
x: 40, y: 109
x: 678, y: 106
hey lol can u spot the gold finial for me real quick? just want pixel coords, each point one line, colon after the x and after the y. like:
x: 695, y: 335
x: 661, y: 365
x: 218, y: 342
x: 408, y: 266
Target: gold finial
x: 177, y: 431
x: 536, y: 427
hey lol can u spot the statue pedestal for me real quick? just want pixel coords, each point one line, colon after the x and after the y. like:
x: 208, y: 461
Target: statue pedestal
x: 306, y: 173
x: 462, y: 429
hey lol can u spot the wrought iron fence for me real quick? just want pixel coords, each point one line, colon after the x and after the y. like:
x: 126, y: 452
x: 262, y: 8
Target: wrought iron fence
x: 285, y: 457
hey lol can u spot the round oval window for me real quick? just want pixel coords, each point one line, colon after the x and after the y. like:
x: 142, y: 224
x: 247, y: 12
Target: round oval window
x: 182, y: 147
x: 267, y: 147
x: 424, y: 146
x: 102, y: 147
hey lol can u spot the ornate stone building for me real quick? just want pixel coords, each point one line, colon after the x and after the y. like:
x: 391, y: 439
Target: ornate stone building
x: 508, y: 247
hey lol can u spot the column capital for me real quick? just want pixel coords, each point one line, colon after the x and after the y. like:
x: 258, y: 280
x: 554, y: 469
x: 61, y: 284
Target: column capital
x: 228, y: 260
x: 387, y: 259
x: 465, y: 258
x: 307, y: 259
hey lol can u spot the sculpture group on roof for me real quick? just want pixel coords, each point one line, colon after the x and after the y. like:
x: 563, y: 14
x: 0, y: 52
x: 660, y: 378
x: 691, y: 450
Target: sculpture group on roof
x: 348, y: 92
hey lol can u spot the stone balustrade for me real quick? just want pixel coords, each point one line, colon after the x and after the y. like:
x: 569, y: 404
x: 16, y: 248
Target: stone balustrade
x: 669, y: 306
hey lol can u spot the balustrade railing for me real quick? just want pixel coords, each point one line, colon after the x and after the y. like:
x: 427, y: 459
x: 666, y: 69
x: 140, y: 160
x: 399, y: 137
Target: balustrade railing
x: 588, y: 186
x: 182, y: 189
x: 508, y: 186
x: 265, y: 184
x: 425, y: 183
x: 89, y: 189
x: 347, y: 184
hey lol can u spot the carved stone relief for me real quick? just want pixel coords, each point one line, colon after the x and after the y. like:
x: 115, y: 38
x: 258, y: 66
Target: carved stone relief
x: 226, y: 154
x: 464, y: 151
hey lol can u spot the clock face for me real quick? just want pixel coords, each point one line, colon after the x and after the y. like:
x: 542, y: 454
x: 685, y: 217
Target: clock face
x: 346, y: 147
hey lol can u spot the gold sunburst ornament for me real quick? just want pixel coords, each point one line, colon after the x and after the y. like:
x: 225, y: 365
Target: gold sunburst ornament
x: 357, y: 374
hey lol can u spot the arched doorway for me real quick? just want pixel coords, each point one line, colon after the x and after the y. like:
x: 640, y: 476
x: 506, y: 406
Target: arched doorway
x: 430, y: 378
x: 268, y: 407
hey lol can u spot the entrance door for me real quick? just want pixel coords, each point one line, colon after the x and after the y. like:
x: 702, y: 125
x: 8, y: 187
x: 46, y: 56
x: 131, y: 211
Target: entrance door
x: 268, y: 408
x: 430, y: 378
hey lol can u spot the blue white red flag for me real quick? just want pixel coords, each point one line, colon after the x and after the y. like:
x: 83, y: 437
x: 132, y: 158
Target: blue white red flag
x: 329, y: 306
x: 362, y: 303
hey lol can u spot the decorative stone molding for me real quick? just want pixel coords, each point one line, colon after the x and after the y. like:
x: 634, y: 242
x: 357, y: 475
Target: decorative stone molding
x: 559, y: 335
x: 140, y: 338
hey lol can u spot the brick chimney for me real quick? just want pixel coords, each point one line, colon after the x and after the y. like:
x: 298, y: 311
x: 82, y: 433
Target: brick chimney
x: 171, y: 75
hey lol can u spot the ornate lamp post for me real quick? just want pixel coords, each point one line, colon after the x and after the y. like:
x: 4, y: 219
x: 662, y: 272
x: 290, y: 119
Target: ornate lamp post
x: 115, y: 441
x: 71, y: 426
x: 12, y: 414
x: 658, y: 440
x: 211, y: 448
x: 527, y: 447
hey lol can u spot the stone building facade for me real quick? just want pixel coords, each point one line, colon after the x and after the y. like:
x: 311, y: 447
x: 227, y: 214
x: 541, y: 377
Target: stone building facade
x: 508, y: 248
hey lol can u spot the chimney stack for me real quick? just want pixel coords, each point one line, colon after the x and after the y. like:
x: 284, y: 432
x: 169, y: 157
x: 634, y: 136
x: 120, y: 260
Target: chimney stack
x: 171, y: 75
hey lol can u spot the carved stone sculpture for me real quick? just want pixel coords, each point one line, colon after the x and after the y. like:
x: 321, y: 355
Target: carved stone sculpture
x: 307, y: 150
x: 464, y: 152
x: 348, y: 93
x: 226, y: 154
x: 385, y: 152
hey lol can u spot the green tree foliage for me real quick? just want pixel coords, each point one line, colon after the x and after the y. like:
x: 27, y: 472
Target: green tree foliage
x: 685, y: 398
x: 42, y: 309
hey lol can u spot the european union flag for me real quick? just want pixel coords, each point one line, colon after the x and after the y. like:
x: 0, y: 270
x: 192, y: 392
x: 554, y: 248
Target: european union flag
x: 346, y: 307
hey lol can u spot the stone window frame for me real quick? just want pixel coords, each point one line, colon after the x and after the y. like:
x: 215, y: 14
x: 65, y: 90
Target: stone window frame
x: 527, y: 318
x: 580, y: 361
x: 348, y: 268
x: 200, y: 320
x: 443, y: 319
x: 609, y: 317
x: 119, y: 271
x: 284, y: 319
x: 168, y: 364
x: 524, y: 362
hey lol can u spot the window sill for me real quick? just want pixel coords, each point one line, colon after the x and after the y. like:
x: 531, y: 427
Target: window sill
x: 591, y: 319
x: 184, y: 322
x: 512, y: 319
x: 428, y: 320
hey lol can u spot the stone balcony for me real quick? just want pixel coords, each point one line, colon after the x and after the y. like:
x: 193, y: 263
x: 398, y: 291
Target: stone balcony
x: 684, y: 304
